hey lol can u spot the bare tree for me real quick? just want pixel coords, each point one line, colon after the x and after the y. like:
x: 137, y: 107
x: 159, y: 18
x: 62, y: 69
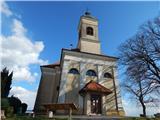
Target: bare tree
x: 138, y: 88
x: 151, y: 56
x: 140, y: 56
x: 144, y: 50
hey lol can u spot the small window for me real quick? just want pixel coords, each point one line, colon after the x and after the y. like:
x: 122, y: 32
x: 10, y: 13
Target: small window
x: 57, y: 88
x: 91, y: 73
x: 73, y: 71
x: 89, y: 31
x: 107, y: 75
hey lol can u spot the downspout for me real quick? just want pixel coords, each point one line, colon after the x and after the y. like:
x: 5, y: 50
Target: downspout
x: 114, y: 84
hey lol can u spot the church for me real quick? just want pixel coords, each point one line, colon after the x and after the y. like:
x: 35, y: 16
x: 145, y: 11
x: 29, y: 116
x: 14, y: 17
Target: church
x: 83, y: 76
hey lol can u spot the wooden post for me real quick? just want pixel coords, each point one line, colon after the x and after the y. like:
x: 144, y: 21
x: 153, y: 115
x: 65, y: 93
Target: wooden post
x: 50, y: 115
x: 70, y: 113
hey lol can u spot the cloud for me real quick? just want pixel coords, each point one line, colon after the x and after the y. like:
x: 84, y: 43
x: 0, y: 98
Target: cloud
x: 24, y: 95
x: 19, y: 52
x: 5, y: 9
x: 132, y: 109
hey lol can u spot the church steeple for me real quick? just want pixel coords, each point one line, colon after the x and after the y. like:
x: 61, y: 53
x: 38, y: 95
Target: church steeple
x: 88, y: 34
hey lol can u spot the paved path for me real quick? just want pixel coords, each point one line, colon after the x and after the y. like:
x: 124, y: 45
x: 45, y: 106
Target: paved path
x: 82, y: 117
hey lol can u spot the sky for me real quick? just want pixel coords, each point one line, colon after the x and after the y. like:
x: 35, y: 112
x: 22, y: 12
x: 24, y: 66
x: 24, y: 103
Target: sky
x: 33, y: 34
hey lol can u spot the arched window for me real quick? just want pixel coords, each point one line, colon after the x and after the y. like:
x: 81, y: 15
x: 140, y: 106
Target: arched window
x: 89, y: 31
x: 91, y: 73
x: 107, y: 75
x: 73, y: 71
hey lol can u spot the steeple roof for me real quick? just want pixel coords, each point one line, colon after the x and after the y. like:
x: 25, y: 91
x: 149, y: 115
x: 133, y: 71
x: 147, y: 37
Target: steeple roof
x: 87, y: 14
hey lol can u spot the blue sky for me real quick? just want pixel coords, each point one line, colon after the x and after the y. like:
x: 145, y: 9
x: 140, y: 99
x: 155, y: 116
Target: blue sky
x: 46, y: 27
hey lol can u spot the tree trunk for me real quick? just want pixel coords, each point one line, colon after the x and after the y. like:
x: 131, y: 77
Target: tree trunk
x: 143, y: 107
x: 141, y: 100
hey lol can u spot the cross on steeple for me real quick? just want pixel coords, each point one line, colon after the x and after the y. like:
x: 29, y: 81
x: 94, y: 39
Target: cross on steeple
x: 87, y: 12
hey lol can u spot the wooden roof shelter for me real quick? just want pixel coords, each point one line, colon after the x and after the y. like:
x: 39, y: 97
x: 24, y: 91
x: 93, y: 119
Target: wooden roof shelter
x: 60, y: 106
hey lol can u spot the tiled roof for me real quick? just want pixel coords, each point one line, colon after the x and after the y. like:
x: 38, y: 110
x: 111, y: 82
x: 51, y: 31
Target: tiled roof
x: 78, y: 50
x: 93, y: 86
x: 75, y: 49
x: 52, y: 65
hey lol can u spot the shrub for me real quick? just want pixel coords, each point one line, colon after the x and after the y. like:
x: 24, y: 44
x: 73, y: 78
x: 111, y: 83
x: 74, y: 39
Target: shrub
x: 6, y: 107
x: 16, y: 103
x: 24, y: 107
x: 4, y: 103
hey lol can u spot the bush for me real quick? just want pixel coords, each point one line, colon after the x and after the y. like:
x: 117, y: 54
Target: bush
x: 4, y: 103
x: 16, y: 103
x: 24, y: 107
x: 6, y: 107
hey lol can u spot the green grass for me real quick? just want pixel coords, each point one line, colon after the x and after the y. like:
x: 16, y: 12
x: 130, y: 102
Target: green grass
x: 139, y: 118
x: 45, y: 118
x: 30, y: 118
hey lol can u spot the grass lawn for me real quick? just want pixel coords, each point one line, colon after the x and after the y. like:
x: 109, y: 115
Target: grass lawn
x: 44, y: 118
x: 30, y: 118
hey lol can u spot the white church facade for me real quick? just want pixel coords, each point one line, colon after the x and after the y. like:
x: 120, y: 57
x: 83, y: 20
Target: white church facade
x: 83, y: 76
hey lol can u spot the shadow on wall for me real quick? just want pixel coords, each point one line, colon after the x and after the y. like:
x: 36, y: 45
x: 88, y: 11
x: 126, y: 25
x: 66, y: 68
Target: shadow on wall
x: 72, y: 88
x: 109, y: 99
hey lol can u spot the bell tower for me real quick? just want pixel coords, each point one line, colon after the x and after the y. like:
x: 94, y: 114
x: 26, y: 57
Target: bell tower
x: 88, y: 34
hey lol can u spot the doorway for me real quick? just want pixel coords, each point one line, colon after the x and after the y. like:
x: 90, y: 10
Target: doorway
x: 96, y: 104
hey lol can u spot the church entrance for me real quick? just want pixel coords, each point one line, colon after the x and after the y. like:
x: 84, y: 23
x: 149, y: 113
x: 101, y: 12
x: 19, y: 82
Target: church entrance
x: 96, y: 104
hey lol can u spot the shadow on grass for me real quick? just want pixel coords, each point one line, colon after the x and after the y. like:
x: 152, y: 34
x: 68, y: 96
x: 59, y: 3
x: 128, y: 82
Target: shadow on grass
x: 45, y: 118
x: 36, y: 118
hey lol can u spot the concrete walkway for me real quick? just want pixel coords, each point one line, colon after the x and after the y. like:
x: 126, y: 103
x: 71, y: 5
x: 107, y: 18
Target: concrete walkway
x: 83, y: 117
x: 95, y: 117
